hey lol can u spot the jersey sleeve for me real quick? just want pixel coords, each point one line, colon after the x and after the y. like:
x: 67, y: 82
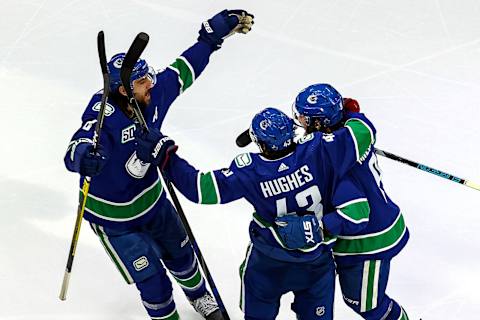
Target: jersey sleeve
x: 83, y: 138
x: 352, y: 209
x: 350, y: 144
x: 363, y: 133
x: 181, y: 73
x: 212, y: 187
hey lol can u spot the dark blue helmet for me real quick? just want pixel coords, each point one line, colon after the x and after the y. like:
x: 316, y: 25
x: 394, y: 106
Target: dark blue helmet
x: 273, y: 128
x: 319, y: 102
x: 140, y: 70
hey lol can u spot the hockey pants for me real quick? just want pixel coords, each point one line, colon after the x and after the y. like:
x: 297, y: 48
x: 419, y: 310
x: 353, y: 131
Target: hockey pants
x: 138, y: 254
x: 265, y: 280
x: 363, y: 287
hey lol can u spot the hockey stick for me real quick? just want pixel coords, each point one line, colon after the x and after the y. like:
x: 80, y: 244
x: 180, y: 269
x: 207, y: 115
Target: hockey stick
x: 86, y: 180
x: 428, y: 169
x: 201, y: 259
x: 244, y: 139
x: 131, y: 58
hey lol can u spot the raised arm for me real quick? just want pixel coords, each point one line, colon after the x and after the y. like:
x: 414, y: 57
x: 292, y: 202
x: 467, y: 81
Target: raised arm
x: 181, y: 73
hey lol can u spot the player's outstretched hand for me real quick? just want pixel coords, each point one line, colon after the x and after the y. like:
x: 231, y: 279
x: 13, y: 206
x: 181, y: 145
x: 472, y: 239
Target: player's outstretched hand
x: 92, y: 163
x: 351, y: 105
x: 154, y: 147
x: 223, y: 25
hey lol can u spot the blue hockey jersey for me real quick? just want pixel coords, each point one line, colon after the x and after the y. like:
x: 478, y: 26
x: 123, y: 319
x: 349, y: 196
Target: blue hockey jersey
x: 299, y: 182
x: 127, y: 191
x: 381, y: 234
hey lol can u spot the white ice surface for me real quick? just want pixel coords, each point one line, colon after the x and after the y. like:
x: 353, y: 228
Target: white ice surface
x: 413, y: 65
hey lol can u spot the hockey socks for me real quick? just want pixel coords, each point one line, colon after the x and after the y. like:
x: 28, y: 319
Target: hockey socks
x: 158, y: 303
x: 388, y: 310
x: 186, y: 272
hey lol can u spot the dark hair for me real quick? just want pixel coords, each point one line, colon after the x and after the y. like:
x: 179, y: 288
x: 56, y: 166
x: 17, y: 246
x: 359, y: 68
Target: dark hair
x: 272, y: 154
x: 315, y: 125
x: 121, y: 101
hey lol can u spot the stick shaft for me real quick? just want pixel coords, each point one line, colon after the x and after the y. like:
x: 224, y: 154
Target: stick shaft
x: 73, y: 243
x: 86, y: 181
x: 428, y: 169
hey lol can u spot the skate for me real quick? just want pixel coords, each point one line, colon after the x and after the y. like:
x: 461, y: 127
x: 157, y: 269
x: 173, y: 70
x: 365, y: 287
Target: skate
x: 207, y: 307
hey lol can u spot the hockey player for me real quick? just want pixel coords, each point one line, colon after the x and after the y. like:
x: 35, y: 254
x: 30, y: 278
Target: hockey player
x: 365, y: 244
x: 126, y: 205
x: 288, y: 184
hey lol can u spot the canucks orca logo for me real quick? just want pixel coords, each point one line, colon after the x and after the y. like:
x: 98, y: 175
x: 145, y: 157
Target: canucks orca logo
x: 313, y: 98
x: 109, y: 109
x: 264, y: 124
x: 136, y: 167
x: 118, y: 63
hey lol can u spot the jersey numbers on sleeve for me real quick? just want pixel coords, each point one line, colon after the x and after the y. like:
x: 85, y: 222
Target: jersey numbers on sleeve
x: 88, y: 124
x: 377, y: 174
x: 308, y: 196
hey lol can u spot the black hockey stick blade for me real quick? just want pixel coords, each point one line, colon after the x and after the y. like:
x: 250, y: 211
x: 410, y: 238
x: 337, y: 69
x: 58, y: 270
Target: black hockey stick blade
x: 101, y: 52
x: 243, y: 139
x: 106, y: 85
x: 133, y: 53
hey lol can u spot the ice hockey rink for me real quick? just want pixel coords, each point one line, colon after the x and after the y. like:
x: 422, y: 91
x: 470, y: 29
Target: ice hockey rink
x: 413, y: 65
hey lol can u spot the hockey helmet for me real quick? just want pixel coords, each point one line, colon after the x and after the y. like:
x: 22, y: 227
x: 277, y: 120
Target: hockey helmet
x: 319, y: 102
x: 140, y: 70
x: 273, y: 128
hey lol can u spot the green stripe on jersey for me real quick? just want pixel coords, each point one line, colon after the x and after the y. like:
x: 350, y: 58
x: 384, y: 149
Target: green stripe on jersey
x: 371, y: 285
x: 208, y: 190
x: 371, y: 243
x: 186, y: 74
x: 116, y: 211
x: 363, y: 136
x: 355, y: 211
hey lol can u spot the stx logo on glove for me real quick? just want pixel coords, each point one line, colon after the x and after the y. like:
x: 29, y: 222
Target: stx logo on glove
x: 207, y: 27
x: 307, y: 226
x: 158, y: 147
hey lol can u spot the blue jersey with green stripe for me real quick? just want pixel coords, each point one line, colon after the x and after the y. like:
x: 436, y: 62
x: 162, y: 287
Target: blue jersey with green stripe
x: 300, y: 182
x: 379, y: 235
x: 127, y: 191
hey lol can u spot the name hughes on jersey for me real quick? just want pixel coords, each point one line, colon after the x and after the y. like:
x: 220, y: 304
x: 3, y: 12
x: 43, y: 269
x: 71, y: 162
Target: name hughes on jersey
x: 286, y: 183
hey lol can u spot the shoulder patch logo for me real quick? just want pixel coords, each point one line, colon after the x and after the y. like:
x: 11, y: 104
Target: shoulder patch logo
x: 135, y: 167
x: 109, y: 109
x: 243, y: 160
x: 306, y: 138
x: 128, y: 134
x: 88, y: 124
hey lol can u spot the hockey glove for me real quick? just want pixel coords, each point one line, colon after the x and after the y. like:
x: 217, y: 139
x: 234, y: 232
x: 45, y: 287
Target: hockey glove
x: 224, y: 24
x: 299, y: 231
x: 153, y: 147
x: 92, y: 163
x: 351, y: 105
